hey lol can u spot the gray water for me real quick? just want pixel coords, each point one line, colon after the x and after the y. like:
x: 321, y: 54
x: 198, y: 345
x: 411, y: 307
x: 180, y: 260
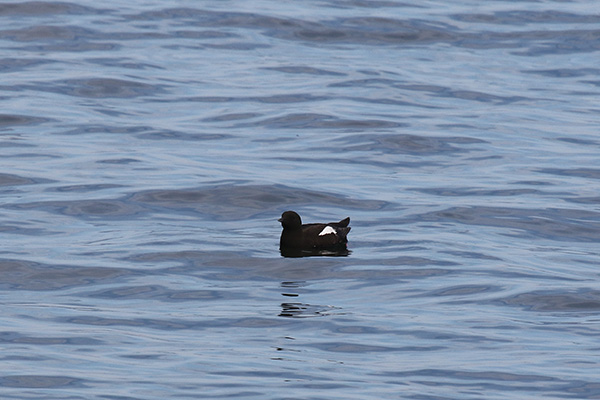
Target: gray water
x: 148, y: 148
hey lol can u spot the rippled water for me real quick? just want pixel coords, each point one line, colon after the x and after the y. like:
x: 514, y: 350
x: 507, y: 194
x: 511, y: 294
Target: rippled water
x: 148, y: 148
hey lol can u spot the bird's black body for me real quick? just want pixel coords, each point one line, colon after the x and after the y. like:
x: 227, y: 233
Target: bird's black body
x: 297, y: 237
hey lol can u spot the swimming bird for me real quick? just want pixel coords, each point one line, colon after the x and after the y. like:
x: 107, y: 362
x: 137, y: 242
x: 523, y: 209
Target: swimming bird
x: 312, y: 237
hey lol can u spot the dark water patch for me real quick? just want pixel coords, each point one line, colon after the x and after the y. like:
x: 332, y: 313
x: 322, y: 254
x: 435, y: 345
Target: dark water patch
x: 228, y: 202
x: 5, y: 144
x: 554, y: 224
x: 532, y: 42
x: 43, y: 8
x: 443, y: 91
x: 361, y: 30
x: 207, y: 34
x: 231, y: 117
x: 475, y: 192
x: 29, y: 275
x: 523, y: 17
x: 345, y: 347
x: 95, y: 88
x: 123, y: 63
x: 244, y: 46
x: 564, y: 72
x: 583, y: 142
x: 222, y: 19
x: 192, y: 259
x: 498, y: 381
x: 462, y: 294
x: 139, y: 357
x: 16, y: 180
x: 370, y: 4
x: 594, y: 83
x: 262, y: 373
x: 391, y: 275
x: 285, y: 98
x: 582, y: 301
x: 533, y: 183
x: 33, y: 156
x: 476, y: 376
x: 370, y: 161
x: 481, y: 97
x: 471, y: 255
x: 445, y: 336
x: 101, y: 208
x: 21, y: 228
x: 391, y: 244
x: 67, y: 46
x: 27, y: 358
x: 367, y: 83
x: 305, y: 70
x: 7, y: 337
x: 147, y: 35
x: 546, y: 42
x: 584, y: 200
x: 461, y: 127
x: 48, y: 33
x: 162, y: 293
x: 19, y: 64
x: 591, y: 173
x: 178, y: 323
x: 178, y: 135
x: 40, y: 381
x: 358, y: 330
x: 392, y: 102
x: 386, y: 31
x: 145, y: 133
x: 209, y: 99
x: 92, y: 187
x: 502, y: 272
x: 412, y: 261
x: 433, y: 90
x: 7, y: 120
x: 118, y: 161
x: 97, y: 208
x: 368, y: 31
x: 407, y: 144
x: 279, y: 98
x: 84, y: 129
x: 289, y: 120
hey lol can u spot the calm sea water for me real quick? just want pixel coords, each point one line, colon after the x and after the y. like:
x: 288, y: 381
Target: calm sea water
x: 147, y: 149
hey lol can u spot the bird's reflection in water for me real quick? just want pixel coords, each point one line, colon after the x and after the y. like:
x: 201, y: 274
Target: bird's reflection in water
x: 332, y: 252
x: 302, y: 310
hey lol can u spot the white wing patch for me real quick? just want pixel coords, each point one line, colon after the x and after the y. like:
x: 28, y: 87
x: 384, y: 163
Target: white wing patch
x: 328, y: 229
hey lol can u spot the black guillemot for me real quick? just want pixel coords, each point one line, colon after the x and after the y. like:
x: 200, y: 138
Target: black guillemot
x: 312, y: 239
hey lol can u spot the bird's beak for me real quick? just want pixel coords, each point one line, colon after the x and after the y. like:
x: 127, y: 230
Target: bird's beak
x: 279, y: 220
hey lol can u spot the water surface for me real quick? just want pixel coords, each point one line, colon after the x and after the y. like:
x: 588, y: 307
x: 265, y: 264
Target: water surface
x: 148, y: 148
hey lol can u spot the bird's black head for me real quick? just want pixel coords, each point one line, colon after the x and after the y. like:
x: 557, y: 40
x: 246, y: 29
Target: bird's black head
x: 290, y: 220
